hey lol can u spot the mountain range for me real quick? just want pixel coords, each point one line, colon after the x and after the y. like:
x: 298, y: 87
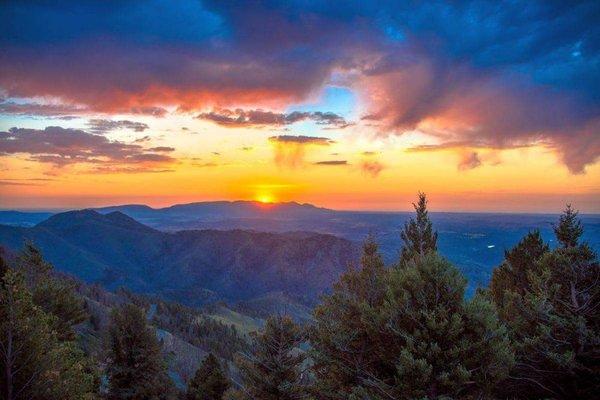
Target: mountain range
x: 475, y: 242
x: 193, y: 267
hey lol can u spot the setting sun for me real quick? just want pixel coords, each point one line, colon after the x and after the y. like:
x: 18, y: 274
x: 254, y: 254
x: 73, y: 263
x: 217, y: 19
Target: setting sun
x: 265, y: 198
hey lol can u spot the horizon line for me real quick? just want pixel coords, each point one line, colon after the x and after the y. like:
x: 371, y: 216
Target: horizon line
x: 258, y: 203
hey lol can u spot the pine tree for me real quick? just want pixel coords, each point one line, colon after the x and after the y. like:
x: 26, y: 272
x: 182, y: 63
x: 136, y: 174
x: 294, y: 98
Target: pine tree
x: 512, y: 275
x: 444, y: 346
x: 58, y: 297
x: 3, y: 263
x: 32, y: 263
x: 136, y: 369
x: 552, y: 316
x: 54, y: 295
x: 406, y: 333
x: 273, y: 369
x: 35, y: 365
x: 569, y: 228
x: 418, y: 235
x: 348, y: 332
x: 209, y: 382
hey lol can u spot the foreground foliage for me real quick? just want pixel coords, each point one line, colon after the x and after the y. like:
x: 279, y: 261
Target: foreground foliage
x: 136, y: 370
x: 37, y: 361
x: 273, y: 369
x: 413, y: 337
x: 209, y: 382
x: 549, y: 299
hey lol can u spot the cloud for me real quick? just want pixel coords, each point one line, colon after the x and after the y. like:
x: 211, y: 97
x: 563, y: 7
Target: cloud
x: 372, y: 167
x: 147, y: 110
x: 286, y: 139
x: 206, y: 165
x: 162, y: 149
x: 462, y: 145
x: 525, y: 72
x: 107, y: 125
x: 7, y: 182
x: 260, y: 118
x: 66, y: 111
x: 290, y: 151
x: 469, y: 161
x: 487, y: 112
x: 332, y: 162
x: 471, y: 155
x: 143, y: 139
x: 116, y: 169
x: 38, y: 109
x: 63, y: 146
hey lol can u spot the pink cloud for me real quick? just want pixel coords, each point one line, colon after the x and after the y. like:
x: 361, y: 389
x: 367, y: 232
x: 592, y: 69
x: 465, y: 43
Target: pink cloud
x: 458, y: 105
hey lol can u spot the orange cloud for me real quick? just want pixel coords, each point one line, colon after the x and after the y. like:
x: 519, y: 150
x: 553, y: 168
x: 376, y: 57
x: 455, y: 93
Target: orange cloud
x: 290, y: 151
x: 372, y: 167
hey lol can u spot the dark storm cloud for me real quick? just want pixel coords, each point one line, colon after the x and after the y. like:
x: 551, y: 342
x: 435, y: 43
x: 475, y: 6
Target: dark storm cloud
x: 496, y: 73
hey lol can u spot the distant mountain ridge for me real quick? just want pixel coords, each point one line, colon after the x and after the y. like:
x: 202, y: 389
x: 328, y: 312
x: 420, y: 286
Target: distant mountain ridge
x: 194, y: 267
x: 475, y: 242
x: 22, y: 218
x: 238, y: 207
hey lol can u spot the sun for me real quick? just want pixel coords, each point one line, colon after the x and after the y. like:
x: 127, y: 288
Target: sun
x: 265, y: 198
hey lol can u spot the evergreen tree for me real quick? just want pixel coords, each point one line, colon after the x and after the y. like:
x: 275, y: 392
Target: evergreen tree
x: 273, y: 371
x: 552, y: 316
x: 348, y: 337
x: 512, y: 276
x: 3, y: 263
x: 136, y: 369
x: 54, y: 295
x: 209, y: 382
x: 444, y: 346
x: 406, y: 333
x: 35, y: 365
x: 418, y: 235
x: 58, y: 297
x: 31, y: 261
x: 569, y: 228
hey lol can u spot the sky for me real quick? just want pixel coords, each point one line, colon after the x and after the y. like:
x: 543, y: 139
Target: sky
x: 483, y: 105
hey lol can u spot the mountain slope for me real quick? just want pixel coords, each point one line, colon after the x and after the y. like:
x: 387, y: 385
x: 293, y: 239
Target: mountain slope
x: 193, y: 267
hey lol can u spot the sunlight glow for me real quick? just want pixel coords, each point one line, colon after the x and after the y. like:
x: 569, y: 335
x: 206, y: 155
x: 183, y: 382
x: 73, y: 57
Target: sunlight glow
x: 265, y: 198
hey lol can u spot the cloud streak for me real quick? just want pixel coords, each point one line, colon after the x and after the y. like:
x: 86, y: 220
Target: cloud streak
x: 260, y: 118
x: 62, y: 146
x: 332, y: 163
x: 107, y: 125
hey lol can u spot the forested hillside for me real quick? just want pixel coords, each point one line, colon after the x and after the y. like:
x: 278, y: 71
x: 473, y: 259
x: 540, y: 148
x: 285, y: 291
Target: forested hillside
x: 192, y: 267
